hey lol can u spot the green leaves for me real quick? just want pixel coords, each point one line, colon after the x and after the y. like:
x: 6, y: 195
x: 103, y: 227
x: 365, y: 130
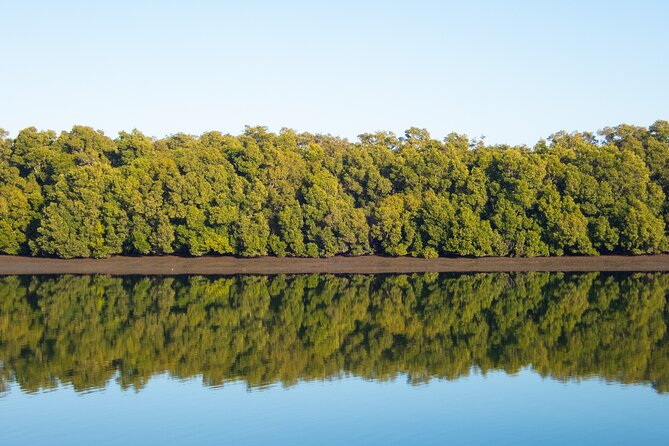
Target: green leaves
x: 394, y: 226
x: 82, y: 194
x: 82, y: 216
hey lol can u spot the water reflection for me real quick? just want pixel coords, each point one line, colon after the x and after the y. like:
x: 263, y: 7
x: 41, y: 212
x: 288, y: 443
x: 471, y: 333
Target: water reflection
x: 87, y: 330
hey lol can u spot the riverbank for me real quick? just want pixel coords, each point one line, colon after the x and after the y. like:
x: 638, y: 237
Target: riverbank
x: 173, y: 265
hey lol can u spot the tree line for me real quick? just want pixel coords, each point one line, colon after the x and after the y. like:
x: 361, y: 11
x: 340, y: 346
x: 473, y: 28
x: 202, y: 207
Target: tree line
x: 83, y: 194
x: 86, y: 330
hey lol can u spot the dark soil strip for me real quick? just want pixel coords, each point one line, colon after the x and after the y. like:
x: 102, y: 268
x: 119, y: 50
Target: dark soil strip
x: 167, y: 265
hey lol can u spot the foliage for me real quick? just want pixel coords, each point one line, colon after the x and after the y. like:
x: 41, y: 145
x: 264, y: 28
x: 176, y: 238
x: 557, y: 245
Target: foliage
x: 82, y: 194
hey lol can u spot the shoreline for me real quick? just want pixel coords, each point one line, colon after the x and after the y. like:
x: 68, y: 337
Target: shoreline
x: 225, y: 265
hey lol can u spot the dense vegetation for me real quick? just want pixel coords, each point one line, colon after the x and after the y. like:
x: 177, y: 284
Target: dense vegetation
x: 82, y: 194
x: 85, y: 330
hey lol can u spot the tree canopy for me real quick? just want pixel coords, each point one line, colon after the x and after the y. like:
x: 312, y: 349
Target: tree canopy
x: 83, y: 194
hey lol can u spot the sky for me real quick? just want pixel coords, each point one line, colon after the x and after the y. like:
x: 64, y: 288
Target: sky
x: 512, y: 71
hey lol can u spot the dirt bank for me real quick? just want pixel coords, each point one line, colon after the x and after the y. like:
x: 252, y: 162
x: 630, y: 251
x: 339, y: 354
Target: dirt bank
x: 166, y: 265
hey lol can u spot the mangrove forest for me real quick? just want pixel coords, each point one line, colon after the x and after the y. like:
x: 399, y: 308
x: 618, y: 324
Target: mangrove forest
x: 82, y: 194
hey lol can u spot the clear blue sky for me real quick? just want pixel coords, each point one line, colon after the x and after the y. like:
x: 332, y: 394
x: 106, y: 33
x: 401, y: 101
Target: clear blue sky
x: 514, y: 71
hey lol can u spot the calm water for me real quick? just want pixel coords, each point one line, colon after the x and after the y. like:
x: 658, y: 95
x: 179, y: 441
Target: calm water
x: 322, y: 359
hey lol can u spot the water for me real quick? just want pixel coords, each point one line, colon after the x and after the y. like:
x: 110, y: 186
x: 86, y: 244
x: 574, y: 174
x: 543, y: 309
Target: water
x: 320, y: 359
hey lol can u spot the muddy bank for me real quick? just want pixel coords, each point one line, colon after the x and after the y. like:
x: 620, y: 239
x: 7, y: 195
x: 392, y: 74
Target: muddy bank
x: 167, y: 265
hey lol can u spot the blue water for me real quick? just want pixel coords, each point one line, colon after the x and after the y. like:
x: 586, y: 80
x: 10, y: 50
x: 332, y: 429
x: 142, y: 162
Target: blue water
x: 518, y: 359
x: 494, y: 409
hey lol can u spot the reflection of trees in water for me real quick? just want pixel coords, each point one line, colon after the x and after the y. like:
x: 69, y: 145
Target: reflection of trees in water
x: 84, y: 329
